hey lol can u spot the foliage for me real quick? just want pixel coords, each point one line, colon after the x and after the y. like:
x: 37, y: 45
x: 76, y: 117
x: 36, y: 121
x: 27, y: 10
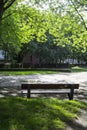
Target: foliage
x: 56, y: 25
x: 44, y: 114
x: 4, y: 5
x: 47, y: 52
x: 20, y: 27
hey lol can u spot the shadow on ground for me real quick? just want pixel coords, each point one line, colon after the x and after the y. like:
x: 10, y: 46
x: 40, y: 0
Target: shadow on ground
x: 73, y: 125
x: 76, y: 124
x: 80, y: 123
x: 10, y: 91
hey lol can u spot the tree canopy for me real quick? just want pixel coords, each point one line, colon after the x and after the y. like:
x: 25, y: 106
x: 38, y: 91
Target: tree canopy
x: 23, y: 22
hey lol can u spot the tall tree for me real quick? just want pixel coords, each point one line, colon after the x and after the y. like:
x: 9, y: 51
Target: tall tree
x: 22, y: 26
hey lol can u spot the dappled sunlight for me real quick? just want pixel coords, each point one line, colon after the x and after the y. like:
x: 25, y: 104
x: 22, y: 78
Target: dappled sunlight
x: 46, y: 78
x: 38, y: 113
x: 11, y: 85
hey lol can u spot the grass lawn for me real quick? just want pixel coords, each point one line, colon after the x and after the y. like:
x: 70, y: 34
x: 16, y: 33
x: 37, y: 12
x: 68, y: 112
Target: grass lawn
x: 27, y: 72
x: 31, y: 72
x: 79, y: 69
x: 37, y: 113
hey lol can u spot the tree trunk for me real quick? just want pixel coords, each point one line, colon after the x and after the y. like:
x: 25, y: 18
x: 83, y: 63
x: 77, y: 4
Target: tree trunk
x: 1, y: 9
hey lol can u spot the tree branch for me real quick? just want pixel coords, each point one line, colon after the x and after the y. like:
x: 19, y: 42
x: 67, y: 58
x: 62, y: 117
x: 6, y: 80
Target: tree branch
x: 5, y: 1
x: 9, y: 4
x: 6, y: 16
x: 79, y: 15
x: 14, y: 11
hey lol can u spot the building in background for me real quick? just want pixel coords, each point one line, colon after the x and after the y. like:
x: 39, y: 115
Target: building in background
x: 1, y: 55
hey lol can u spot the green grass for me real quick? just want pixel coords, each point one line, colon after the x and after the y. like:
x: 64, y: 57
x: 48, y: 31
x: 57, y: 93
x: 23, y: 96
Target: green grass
x: 26, y: 72
x: 31, y: 72
x: 79, y: 69
x: 37, y: 113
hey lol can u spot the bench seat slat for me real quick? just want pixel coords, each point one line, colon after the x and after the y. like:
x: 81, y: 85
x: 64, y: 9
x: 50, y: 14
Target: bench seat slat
x: 50, y: 86
x: 48, y: 91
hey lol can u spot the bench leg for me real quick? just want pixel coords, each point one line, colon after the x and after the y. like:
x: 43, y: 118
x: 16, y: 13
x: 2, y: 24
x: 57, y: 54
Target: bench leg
x: 70, y: 95
x: 28, y: 93
x: 21, y: 94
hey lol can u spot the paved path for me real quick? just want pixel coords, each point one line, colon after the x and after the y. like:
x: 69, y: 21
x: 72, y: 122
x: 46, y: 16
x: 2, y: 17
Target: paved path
x: 52, y: 78
x: 10, y: 85
x: 14, y: 82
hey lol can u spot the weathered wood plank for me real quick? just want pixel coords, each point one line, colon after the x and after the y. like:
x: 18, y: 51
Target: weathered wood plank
x: 50, y: 86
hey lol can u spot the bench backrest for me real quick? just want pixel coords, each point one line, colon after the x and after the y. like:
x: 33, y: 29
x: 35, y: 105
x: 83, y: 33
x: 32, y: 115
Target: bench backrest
x: 50, y: 86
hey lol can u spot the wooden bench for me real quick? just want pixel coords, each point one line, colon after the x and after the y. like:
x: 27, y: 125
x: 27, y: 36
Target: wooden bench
x: 52, y: 87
